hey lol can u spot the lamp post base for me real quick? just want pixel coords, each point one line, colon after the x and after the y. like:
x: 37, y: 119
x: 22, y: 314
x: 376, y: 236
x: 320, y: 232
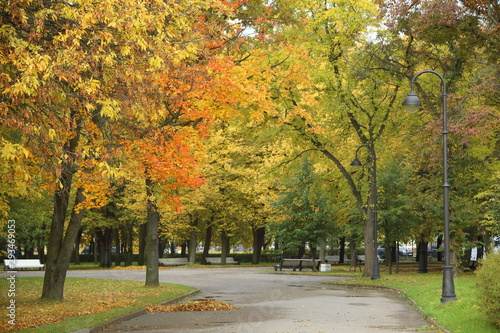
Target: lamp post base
x: 376, y: 271
x: 448, y: 285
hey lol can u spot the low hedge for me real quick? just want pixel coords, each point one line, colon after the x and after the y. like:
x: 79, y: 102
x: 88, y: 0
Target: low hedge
x: 488, y: 283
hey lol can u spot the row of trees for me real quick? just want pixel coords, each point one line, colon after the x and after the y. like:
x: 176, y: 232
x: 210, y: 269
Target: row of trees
x: 192, y: 118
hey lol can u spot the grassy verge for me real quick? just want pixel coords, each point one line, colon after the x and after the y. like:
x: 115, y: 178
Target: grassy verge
x: 88, y: 303
x: 462, y: 315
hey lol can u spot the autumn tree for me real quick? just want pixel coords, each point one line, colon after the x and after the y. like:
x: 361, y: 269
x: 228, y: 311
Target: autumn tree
x: 336, y: 94
x: 75, y: 75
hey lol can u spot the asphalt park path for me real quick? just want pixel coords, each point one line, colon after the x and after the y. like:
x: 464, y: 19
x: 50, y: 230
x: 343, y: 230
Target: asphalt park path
x: 270, y: 303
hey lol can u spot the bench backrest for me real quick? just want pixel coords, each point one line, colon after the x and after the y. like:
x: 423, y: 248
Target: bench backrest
x: 301, y: 262
x: 20, y: 263
x: 218, y: 260
x: 173, y: 260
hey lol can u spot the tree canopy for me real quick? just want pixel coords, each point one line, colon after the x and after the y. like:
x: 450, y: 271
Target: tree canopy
x: 188, y: 118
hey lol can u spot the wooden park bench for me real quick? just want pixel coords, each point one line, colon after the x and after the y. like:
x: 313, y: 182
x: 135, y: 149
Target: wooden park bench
x: 300, y: 264
x: 361, y: 259
x: 336, y: 258
x: 15, y: 264
x: 218, y: 261
x: 173, y: 261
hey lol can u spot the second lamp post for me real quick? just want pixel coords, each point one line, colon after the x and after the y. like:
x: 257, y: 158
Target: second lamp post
x: 356, y: 162
x: 412, y: 104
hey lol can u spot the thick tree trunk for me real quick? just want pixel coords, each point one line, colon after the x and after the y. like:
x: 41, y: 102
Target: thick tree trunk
x: 422, y: 257
x: 258, y: 242
x: 322, y: 252
x: 151, y: 255
x: 61, y: 244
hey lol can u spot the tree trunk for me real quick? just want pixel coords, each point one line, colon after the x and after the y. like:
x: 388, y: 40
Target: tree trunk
x: 104, y: 240
x: 41, y: 254
x: 302, y: 251
x: 183, y: 249
x: 225, y: 247
x: 77, y: 248
x: 142, y: 244
x: 453, y: 256
x: 61, y: 244
x: 422, y: 257
x: 369, y: 230
x: 258, y: 241
x: 206, y: 245
x: 151, y: 255
x: 129, y: 245
x: 342, y: 250
x: 93, y: 247
x: 439, y: 254
x: 116, y: 234
x: 369, y: 240
x: 354, y: 255
x: 193, y: 243
x: 162, y: 244
x: 322, y: 252
x: 173, y: 248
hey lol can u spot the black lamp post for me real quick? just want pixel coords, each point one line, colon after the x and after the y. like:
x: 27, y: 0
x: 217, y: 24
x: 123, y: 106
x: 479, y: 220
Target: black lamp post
x: 412, y: 104
x: 356, y: 162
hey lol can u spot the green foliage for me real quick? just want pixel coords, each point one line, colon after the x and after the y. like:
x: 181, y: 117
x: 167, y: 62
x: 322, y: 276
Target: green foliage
x: 305, y: 211
x: 488, y: 284
x: 396, y: 218
x: 33, y: 218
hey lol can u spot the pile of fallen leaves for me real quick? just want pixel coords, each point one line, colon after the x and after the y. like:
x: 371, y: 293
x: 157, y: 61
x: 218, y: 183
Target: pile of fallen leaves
x: 207, y: 304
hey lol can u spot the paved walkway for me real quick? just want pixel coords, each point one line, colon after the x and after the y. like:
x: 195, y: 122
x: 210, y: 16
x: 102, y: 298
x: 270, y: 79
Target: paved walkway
x: 271, y: 303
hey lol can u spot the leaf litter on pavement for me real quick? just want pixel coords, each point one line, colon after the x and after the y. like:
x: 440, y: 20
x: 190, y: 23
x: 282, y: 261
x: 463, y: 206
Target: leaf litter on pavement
x: 207, y: 304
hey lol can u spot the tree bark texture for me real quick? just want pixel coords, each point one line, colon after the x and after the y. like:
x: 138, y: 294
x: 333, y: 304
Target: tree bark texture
x: 206, y: 245
x: 151, y: 254
x: 193, y: 242
x: 142, y: 244
x: 258, y: 242
x: 61, y: 243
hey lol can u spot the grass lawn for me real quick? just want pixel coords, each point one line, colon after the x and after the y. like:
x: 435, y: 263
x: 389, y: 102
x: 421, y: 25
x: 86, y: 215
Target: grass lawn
x: 88, y: 303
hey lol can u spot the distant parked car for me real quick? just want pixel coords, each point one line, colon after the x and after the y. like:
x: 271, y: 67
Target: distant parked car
x: 402, y: 252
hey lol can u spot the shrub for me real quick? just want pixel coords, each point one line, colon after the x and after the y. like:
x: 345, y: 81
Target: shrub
x: 488, y: 283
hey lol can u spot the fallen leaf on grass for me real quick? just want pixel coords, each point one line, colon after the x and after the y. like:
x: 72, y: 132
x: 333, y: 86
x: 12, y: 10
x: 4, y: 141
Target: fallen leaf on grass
x: 204, y: 305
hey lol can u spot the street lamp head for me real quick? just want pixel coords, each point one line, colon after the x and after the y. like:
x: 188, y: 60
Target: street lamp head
x: 412, y: 103
x: 356, y: 162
